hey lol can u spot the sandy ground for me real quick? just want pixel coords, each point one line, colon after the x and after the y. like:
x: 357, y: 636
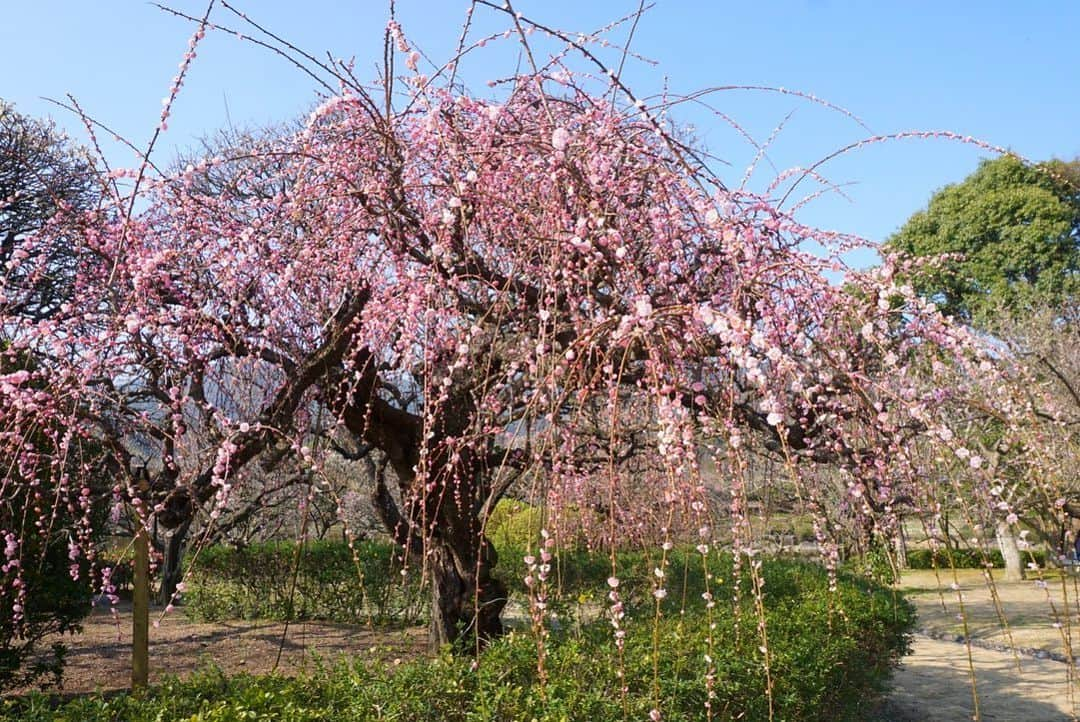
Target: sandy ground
x: 1029, y: 610
x: 934, y: 684
x: 1025, y: 682
x: 1020, y: 675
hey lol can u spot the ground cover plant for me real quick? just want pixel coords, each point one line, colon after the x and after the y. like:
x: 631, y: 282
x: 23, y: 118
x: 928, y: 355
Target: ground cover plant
x: 831, y: 652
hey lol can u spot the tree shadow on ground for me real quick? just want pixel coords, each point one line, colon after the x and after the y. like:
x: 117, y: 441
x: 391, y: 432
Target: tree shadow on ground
x: 934, y: 685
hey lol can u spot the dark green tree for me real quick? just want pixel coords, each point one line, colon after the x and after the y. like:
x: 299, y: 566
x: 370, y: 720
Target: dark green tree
x: 40, y: 172
x: 1013, y: 234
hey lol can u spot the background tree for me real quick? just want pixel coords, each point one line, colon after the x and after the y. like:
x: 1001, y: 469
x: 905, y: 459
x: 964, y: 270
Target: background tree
x: 1001, y: 250
x: 1014, y: 229
x: 41, y: 171
x: 1048, y: 340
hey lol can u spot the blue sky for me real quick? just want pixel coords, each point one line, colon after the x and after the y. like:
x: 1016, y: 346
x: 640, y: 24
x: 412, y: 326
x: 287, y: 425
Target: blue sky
x: 1002, y: 71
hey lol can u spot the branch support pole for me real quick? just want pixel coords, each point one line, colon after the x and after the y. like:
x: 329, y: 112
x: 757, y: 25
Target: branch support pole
x: 140, y: 618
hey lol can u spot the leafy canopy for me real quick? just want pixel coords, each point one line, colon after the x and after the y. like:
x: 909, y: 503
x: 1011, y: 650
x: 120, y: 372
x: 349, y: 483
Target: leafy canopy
x: 1011, y: 232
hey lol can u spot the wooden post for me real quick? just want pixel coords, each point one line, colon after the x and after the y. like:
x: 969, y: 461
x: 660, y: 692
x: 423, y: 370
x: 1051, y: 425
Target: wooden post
x: 140, y: 622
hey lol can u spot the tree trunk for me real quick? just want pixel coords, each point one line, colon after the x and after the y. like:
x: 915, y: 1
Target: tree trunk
x: 1014, y: 568
x: 900, y: 545
x: 171, y: 570
x: 441, y: 515
x: 466, y: 600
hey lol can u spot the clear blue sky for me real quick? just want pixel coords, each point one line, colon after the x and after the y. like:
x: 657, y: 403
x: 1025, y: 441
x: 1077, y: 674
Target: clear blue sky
x: 1003, y: 71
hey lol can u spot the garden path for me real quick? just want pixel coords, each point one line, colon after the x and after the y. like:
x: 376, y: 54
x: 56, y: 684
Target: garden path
x: 933, y: 685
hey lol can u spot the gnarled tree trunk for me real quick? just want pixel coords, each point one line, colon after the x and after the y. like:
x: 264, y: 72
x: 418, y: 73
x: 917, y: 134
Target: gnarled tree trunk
x: 466, y: 599
x: 439, y: 513
x: 441, y: 526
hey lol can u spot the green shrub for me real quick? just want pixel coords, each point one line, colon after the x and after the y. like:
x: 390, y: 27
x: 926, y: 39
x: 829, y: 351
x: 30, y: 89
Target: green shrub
x: 514, y: 524
x: 829, y: 654
x: 256, y: 582
x: 55, y: 604
x: 877, y: 563
x: 965, y: 558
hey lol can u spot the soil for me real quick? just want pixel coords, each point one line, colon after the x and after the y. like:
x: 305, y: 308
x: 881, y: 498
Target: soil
x: 1028, y: 681
x: 99, y: 659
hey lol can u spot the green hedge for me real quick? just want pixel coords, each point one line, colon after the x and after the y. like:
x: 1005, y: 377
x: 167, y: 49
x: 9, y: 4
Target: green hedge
x: 578, y: 578
x: 830, y: 654
x: 966, y: 558
x: 514, y: 523
x: 256, y: 582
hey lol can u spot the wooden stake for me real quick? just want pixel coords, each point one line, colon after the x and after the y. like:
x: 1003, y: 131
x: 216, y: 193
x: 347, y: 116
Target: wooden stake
x: 140, y: 622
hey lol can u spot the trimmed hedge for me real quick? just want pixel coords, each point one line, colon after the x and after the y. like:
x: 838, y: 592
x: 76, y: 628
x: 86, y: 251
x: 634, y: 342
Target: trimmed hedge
x: 830, y: 654
x: 256, y: 582
x: 966, y: 558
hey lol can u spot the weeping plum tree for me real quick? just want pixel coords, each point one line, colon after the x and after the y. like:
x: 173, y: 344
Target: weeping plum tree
x: 41, y: 171
x: 547, y: 282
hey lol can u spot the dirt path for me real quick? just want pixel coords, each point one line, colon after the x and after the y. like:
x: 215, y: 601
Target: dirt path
x: 100, y: 657
x: 933, y: 684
